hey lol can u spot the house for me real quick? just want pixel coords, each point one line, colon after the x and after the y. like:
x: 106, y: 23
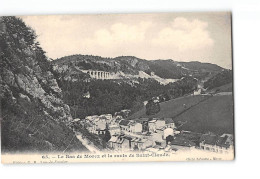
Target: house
x: 108, y: 117
x: 140, y: 144
x: 115, y: 120
x: 214, y: 143
x: 192, y: 136
x: 167, y: 132
x: 112, y: 141
x: 88, y: 118
x: 100, y: 126
x: 119, y: 143
x: 169, y: 123
x: 76, y: 120
x: 86, y: 95
x: 91, y: 118
x: 126, y: 144
x: 135, y: 127
x: 160, y: 123
x: 96, y: 126
x: 118, y: 117
x: 104, y: 119
x: 130, y: 127
x: 114, y: 129
x: 90, y: 127
x: 157, y: 139
x: 144, y: 144
x: 125, y: 112
x: 230, y: 138
x: 95, y: 116
x: 76, y: 123
x: 155, y: 124
x: 181, y: 143
x: 124, y: 125
x: 144, y: 122
x: 160, y: 130
x: 145, y: 103
x: 156, y: 99
x: 152, y: 125
x: 198, y: 92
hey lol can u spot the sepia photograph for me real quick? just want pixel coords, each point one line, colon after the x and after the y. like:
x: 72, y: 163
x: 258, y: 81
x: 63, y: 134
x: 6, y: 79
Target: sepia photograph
x: 131, y: 87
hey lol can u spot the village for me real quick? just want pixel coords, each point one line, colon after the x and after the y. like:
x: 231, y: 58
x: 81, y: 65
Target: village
x: 152, y: 135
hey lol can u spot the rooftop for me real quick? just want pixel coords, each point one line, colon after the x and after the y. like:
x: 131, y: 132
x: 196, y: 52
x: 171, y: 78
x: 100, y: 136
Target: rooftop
x: 113, y: 139
x: 212, y: 139
x: 124, y: 122
x: 168, y: 120
x: 153, y: 121
x: 181, y: 141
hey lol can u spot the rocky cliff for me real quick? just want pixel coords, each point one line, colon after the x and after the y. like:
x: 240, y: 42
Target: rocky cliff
x: 33, y: 115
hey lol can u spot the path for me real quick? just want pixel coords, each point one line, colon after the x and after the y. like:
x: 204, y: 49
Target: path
x: 89, y: 145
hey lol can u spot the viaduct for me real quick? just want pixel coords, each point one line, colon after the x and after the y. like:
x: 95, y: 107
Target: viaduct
x: 98, y: 74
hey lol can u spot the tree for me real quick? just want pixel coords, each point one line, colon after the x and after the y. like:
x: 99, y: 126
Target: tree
x: 169, y: 138
x: 152, y: 107
x: 107, y: 135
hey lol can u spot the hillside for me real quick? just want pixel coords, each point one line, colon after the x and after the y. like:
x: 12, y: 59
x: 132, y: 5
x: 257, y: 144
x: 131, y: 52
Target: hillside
x: 198, y: 66
x: 33, y: 115
x: 172, y: 107
x: 130, y: 67
x: 168, y: 69
x: 214, y: 114
x: 132, y: 81
x: 201, y: 113
x: 224, y: 88
x: 220, y: 79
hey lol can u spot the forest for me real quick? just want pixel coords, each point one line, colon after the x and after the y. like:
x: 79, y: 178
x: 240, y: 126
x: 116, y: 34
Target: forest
x: 110, y: 96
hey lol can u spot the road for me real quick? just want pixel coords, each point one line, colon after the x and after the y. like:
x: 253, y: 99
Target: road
x: 89, y: 145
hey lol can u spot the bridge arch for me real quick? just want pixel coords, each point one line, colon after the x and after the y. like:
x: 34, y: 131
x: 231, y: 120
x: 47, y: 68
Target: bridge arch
x: 98, y: 74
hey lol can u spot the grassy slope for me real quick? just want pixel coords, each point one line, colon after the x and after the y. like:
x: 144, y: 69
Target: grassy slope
x: 202, y: 113
x: 172, y: 107
x: 214, y: 114
x: 225, y: 88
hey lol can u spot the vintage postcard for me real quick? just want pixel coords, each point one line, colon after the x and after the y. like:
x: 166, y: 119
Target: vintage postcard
x: 116, y: 88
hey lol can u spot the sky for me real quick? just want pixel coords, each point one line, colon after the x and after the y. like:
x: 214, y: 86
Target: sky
x: 204, y: 37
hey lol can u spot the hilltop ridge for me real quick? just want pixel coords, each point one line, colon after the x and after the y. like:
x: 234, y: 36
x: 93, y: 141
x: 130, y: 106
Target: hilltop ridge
x: 124, y: 66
